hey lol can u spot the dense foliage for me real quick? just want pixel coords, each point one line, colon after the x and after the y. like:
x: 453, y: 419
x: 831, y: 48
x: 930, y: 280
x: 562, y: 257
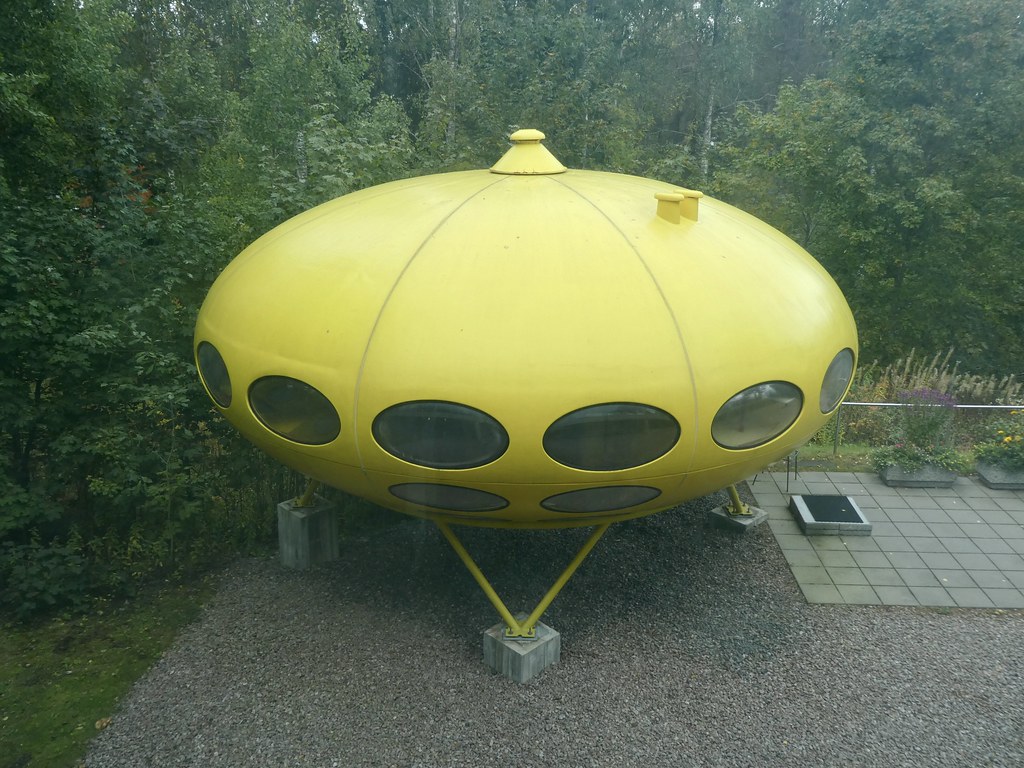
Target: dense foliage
x: 145, y: 143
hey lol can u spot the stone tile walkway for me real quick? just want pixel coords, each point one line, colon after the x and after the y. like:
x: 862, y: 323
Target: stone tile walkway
x: 961, y: 546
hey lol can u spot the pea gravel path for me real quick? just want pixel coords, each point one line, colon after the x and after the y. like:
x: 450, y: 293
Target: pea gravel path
x: 682, y: 645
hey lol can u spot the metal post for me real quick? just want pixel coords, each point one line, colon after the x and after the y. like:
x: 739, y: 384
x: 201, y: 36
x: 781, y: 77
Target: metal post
x: 839, y: 424
x: 306, y: 499
x: 552, y: 593
x: 477, y: 574
x: 738, y: 507
x: 526, y: 628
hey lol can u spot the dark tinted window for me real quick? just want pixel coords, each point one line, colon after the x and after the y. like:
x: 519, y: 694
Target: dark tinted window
x: 451, y: 497
x: 605, y: 499
x: 295, y: 410
x: 611, y: 436
x: 214, y: 373
x: 439, y: 434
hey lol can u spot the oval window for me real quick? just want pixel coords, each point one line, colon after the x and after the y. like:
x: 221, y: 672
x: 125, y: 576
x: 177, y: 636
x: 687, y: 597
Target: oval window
x: 441, y: 435
x: 451, y: 497
x: 214, y: 373
x: 837, y: 379
x: 611, y: 436
x: 604, y: 499
x: 295, y: 410
x: 757, y: 414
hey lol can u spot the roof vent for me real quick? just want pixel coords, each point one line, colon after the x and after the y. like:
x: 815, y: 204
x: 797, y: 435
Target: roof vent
x: 527, y: 157
x: 681, y: 204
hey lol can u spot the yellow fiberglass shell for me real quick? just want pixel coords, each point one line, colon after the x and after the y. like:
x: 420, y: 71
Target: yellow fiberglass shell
x: 527, y: 297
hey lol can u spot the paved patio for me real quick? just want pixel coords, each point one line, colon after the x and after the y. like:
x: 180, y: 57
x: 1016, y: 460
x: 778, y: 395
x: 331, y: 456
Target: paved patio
x: 961, y: 546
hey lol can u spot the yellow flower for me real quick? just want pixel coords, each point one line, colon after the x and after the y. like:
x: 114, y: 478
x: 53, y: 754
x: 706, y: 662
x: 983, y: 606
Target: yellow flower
x: 1000, y: 432
x: 1007, y: 439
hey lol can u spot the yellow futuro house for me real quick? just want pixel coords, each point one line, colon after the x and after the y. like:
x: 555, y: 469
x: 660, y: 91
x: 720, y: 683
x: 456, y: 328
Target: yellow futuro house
x: 528, y: 346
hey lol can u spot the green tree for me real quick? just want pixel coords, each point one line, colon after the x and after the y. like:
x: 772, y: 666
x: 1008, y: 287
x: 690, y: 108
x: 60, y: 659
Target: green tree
x: 903, y: 175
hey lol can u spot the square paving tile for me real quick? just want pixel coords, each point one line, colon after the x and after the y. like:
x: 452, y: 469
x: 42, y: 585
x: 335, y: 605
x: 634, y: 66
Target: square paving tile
x: 896, y: 595
x: 1009, y: 532
x: 961, y: 545
x: 953, y: 578
x: 793, y: 541
x: 942, y: 560
x: 918, y: 577
x: 922, y: 544
x: 905, y: 560
x: 1006, y: 598
x: 846, y: 576
x: 893, y: 544
x: 970, y: 597
x: 835, y: 559
x: 933, y: 596
x: 884, y: 529
x: 856, y: 594
x: 965, y: 516
x: 827, y: 543
x: 800, y: 557
x: 784, y: 526
x: 994, y: 547
x: 946, y: 529
x: 871, y: 559
x: 933, y: 516
x: 821, y: 593
x: 900, y: 514
x: 983, y: 503
x: 883, y: 577
x: 861, y: 544
x: 991, y: 579
x: 811, y: 575
x: 996, y: 517
x: 1007, y: 562
x: 979, y: 531
x: 975, y: 562
x: 914, y: 529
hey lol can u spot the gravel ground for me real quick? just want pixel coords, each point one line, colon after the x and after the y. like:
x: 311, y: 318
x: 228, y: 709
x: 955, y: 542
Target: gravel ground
x: 682, y: 645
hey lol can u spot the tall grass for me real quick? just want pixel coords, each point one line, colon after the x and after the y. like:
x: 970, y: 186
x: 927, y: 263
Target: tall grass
x: 875, y: 383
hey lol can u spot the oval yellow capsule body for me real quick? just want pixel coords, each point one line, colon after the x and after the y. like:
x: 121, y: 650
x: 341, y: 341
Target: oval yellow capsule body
x: 528, y: 346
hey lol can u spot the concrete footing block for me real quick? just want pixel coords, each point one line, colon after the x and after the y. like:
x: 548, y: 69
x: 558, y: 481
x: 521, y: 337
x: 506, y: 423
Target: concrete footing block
x: 520, y: 659
x: 721, y: 517
x: 307, y: 536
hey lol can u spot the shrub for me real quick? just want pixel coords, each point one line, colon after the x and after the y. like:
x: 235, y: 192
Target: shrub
x: 1005, y: 447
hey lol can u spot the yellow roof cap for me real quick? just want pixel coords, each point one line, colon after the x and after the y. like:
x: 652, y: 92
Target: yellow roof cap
x: 527, y: 157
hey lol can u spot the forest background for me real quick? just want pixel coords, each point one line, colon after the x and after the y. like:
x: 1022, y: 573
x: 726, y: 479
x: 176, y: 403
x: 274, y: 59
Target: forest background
x: 146, y: 143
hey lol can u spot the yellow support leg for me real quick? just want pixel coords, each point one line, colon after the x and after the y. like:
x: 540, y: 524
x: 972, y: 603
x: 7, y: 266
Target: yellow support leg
x: 306, y: 499
x: 737, y: 507
x: 526, y: 628
x: 477, y: 574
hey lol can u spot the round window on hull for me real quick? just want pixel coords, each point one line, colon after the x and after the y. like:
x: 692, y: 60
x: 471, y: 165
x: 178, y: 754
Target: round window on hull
x: 453, y: 498
x: 757, y: 415
x: 294, y: 410
x: 837, y: 379
x: 440, y: 435
x: 611, y: 436
x: 605, y: 499
x: 214, y: 373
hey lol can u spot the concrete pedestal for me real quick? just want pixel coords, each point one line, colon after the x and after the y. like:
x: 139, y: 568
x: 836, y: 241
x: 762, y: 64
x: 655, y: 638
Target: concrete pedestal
x: 307, y: 536
x: 721, y: 517
x: 519, y: 659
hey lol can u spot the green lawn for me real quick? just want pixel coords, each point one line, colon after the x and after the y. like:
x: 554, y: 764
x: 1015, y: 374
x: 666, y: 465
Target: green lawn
x: 61, y: 679
x: 818, y: 457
